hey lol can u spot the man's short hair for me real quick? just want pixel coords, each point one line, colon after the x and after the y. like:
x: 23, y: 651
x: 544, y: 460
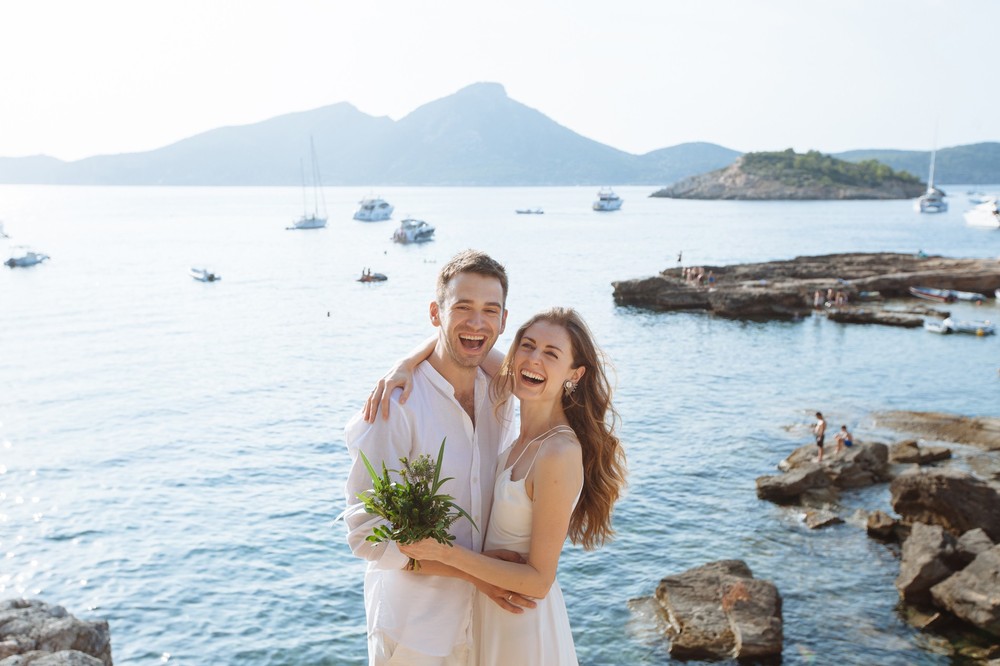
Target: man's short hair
x: 471, y: 261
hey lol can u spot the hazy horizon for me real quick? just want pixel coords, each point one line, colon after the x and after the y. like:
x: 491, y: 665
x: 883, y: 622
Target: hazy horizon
x: 113, y: 76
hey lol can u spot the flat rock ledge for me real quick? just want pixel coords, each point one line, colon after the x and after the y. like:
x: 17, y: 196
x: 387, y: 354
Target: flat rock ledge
x: 720, y: 611
x: 35, y: 633
x: 785, y: 289
x: 981, y: 432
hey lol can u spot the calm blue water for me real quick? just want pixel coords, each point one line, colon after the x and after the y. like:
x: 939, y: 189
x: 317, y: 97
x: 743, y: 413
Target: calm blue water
x: 171, y: 452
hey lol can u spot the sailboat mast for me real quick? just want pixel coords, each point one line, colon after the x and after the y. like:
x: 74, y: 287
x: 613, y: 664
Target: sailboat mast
x: 305, y: 202
x: 930, y: 183
x: 317, y: 181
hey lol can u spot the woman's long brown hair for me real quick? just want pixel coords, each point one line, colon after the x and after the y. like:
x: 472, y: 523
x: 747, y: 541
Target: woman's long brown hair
x: 593, y: 419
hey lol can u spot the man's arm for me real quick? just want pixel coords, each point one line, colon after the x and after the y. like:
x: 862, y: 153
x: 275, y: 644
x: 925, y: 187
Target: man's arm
x: 385, y: 441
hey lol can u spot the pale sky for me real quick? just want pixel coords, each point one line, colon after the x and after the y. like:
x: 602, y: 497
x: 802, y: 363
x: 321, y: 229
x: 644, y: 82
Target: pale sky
x: 87, y: 77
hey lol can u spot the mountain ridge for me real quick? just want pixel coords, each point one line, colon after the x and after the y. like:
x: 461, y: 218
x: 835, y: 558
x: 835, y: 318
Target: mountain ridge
x: 475, y: 136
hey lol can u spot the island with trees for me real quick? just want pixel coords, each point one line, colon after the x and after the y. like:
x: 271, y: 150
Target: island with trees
x: 801, y: 176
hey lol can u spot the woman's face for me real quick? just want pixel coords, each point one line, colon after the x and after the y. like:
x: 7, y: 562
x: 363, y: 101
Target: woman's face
x: 543, y: 361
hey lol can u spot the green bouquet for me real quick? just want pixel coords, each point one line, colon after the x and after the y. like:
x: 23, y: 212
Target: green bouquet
x: 413, y: 507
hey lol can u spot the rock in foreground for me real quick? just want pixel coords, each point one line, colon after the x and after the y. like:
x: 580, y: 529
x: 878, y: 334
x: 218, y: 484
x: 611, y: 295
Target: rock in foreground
x: 720, y: 611
x: 34, y: 632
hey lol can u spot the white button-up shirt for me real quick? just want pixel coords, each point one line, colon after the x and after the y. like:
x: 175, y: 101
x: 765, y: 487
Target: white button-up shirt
x: 430, y: 614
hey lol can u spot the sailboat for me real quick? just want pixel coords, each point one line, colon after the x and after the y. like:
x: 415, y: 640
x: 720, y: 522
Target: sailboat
x: 933, y: 199
x: 313, y: 220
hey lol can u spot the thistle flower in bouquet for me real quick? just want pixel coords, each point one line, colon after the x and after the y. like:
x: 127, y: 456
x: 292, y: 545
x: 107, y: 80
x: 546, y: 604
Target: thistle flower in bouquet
x: 413, y: 507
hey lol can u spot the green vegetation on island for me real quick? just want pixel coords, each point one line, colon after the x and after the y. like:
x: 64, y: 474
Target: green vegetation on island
x: 814, y: 169
x: 803, y: 176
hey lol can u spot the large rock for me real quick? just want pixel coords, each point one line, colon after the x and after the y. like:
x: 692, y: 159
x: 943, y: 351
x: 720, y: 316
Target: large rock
x: 32, y: 626
x: 63, y: 658
x: 720, y: 611
x: 787, y: 488
x: 909, y: 451
x: 973, y: 594
x: 861, y: 465
x: 927, y: 553
x: 953, y: 499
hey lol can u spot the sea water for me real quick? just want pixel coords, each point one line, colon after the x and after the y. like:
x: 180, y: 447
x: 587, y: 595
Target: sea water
x: 172, y: 456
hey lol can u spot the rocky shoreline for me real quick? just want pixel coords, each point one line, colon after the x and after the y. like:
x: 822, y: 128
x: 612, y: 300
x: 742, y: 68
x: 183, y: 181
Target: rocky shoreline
x: 787, y: 289
x: 948, y: 521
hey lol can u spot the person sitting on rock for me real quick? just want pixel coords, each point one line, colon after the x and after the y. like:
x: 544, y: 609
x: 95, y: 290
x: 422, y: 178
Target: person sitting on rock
x: 844, y: 438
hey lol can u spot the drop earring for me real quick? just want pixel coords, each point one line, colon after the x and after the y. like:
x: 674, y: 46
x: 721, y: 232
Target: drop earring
x: 569, y: 386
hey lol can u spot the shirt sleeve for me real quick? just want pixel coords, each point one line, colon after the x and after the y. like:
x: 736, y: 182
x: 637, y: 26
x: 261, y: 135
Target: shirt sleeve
x: 382, y: 441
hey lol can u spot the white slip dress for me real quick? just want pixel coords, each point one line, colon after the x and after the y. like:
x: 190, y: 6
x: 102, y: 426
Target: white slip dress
x: 539, y: 636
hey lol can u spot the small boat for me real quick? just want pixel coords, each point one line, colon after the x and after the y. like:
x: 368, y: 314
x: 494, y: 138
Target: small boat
x: 937, y: 295
x: 949, y: 325
x: 980, y: 328
x: 314, y: 219
x: 368, y: 276
x: 986, y: 214
x: 529, y: 211
x: 413, y: 231
x: 971, y: 296
x: 933, y: 199
x: 204, y: 275
x: 373, y: 209
x: 980, y: 198
x: 23, y: 257
x: 607, y: 200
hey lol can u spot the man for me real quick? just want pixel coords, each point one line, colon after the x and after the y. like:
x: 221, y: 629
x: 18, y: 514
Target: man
x: 820, y: 431
x: 425, y: 618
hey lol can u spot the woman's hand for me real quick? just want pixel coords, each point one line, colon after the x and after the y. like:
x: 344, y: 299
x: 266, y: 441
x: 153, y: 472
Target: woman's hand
x: 511, y: 602
x: 425, y: 549
x: 401, y: 376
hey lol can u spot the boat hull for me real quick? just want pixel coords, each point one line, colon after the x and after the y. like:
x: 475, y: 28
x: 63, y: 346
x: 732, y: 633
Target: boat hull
x: 308, y: 222
x: 985, y: 215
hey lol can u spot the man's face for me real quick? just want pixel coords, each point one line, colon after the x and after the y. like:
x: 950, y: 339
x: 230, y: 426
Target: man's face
x: 471, y: 317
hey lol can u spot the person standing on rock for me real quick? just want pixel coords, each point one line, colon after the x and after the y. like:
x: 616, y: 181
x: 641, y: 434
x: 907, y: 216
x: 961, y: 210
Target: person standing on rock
x: 820, y: 431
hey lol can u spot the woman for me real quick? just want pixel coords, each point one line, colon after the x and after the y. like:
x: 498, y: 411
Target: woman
x: 561, y: 476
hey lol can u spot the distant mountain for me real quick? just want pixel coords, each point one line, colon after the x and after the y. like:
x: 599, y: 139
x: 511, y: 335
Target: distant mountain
x: 975, y: 164
x: 791, y: 175
x: 477, y: 136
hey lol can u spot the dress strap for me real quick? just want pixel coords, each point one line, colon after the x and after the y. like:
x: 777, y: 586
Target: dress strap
x: 541, y: 439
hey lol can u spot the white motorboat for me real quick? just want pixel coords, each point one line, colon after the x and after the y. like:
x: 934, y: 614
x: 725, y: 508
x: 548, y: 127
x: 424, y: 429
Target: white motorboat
x: 204, y: 275
x: 373, y: 209
x: 607, y: 200
x: 986, y: 214
x: 24, y: 257
x: 979, y: 197
x: 413, y: 231
x: 529, y: 211
x: 933, y: 199
x: 317, y: 218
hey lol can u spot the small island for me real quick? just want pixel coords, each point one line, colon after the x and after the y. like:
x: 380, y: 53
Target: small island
x: 789, y: 175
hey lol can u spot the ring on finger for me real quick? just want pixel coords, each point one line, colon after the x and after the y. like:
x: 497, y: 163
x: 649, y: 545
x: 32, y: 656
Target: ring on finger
x: 509, y: 596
